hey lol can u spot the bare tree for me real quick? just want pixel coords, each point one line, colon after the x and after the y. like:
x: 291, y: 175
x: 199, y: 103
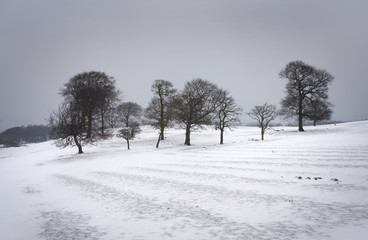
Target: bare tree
x: 263, y: 114
x: 159, y: 112
x: 67, y: 126
x: 304, y: 82
x: 129, y: 133
x: 94, y: 93
x: 130, y: 114
x: 228, y: 113
x: 195, y: 105
x: 318, y: 110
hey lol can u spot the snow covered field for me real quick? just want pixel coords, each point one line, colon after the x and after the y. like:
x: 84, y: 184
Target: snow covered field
x: 244, y: 189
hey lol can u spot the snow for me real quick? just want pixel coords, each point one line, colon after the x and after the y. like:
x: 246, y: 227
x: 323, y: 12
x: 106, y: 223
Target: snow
x: 244, y: 189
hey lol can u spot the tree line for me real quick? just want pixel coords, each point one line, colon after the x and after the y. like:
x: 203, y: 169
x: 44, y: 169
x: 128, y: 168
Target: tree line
x: 92, y: 106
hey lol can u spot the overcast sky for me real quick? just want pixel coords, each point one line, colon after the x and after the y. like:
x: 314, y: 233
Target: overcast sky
x: 238, y: 44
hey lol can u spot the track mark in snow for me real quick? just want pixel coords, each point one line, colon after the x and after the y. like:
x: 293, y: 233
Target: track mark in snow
x: 294, y: 164
x: 175, y: 215
x: 61, y: 225
x: 218, y: 177
x: 317, y: 214
x: 337, y: 187
x: 31, y: 190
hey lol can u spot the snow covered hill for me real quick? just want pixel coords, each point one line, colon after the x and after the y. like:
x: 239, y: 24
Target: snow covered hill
x: 310, y: 185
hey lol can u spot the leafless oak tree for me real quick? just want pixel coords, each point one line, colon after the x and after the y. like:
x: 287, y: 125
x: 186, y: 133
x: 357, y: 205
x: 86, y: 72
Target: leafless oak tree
x: 317, y: 110
x: 130, y: 114
x: 94, y: 93
x: 263, y: 114
x: 304, y: 82
x: 195, y: 105
x: 67, y: 126
x: 159, y: 112
x: 227, y: 114
x: 129, y: 133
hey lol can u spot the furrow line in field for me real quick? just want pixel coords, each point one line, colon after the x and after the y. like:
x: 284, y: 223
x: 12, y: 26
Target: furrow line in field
x: 223, y: 177
x: 178, y: 189
x: 267, y: 162
x: 142, y: 207
x: 231, y: 168
x: 227, y: 178
x: 306, y: 153
x: 315, y: 213
x: 287, y: 157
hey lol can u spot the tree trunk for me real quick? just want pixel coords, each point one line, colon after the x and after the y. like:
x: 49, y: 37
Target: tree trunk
x: 102, y: 124
x: 221, y: 136
x: 158, y: 141
x: 162, y: 133
x: 187, y: 136
x: 300, y: 116
x: 314, y: 122
x: 262, y: 133
x: 89, y: 127
x: 78, y: 145
x: 128, y: 143
x: 162, y: 122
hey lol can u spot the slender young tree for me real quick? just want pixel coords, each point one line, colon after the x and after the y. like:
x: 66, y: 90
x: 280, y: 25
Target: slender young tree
x: 304, y: 82
x: 130, y: 114
x: 196, y: 104
x: 159, y: 112
x: 129, y: 133
x: 228, y: 113
x: 263, y: 114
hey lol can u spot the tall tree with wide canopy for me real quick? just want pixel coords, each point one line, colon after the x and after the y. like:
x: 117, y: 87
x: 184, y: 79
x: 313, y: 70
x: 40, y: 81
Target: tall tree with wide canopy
x: 304, y: 82
x: 81, y: 116
x: 195, y: 105
x: 93, y: 93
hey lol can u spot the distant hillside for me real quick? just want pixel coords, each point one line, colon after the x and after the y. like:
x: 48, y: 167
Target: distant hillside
x: 30, y: 134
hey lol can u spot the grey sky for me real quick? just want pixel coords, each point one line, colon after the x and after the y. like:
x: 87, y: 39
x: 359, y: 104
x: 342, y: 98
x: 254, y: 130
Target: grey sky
x: 240, y: 45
